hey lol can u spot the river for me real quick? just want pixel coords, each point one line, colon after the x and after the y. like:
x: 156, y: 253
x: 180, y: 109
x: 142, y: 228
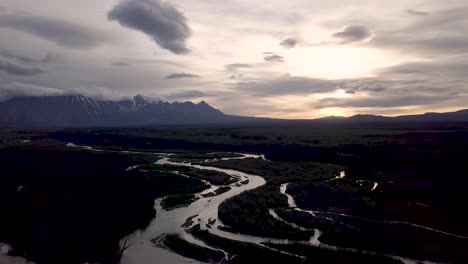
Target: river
x: 144, y: 247
x: 143, y: 251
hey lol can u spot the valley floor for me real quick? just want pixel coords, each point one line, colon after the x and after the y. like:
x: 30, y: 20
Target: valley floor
x: 394, y: 194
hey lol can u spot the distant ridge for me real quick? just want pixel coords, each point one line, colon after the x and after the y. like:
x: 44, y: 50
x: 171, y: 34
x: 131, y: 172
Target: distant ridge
x: 79, y: 110
x: 458, y: 116
x: 83, y: 111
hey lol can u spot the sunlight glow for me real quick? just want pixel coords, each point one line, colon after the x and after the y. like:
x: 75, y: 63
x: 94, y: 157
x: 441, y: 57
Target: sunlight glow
x: 337, y: 62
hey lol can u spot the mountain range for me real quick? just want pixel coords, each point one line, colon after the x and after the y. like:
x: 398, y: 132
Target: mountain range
x: 79, y: 110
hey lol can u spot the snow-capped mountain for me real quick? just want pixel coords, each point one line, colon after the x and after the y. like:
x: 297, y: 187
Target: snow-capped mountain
x: 79, y: 110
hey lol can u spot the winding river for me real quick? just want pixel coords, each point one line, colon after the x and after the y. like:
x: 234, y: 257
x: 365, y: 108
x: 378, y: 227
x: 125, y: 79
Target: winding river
x: 143, y: 251
x: 145, y: 246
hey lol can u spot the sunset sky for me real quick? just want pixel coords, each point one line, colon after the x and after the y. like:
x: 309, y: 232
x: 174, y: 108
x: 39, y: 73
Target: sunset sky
x: 282, y: 59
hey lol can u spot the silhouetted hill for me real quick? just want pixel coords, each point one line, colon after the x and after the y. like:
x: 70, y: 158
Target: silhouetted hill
x: 79, y: 110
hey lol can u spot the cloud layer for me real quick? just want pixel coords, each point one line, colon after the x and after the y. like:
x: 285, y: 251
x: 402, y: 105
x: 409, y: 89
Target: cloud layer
x: 161, y: 21
x: 63, y: 33
x: 22, y: 65
x: 13, y: 90
x: 12, y: 67
x: 402, y: 58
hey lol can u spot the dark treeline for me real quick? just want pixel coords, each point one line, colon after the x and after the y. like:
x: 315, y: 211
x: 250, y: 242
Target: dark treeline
x: 69, y: 206
x: 273, y: 151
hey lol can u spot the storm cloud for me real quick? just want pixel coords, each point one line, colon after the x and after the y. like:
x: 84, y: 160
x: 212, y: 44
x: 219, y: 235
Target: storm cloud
x: 63, y: 33
x: 353, y: 33
x: 181, y: 75
x: 161, y: 21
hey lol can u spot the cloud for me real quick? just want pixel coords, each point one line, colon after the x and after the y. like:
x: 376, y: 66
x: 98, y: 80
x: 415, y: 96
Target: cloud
x: 15, y: 64
x: 133, y: 62
x: 353, y: 33
x: 181, y: 75
x: 96, y: 92
x: 235, y: 66
x: 438, y: 34
x: 185, y: 95
x: 161, y: 21
x: 121, y: 64
x: 363, y: 85
x: 11, y: 67
x: 16, y: 89
x: 24, y: 59
x: 289, y: 43
x: 416, y: 13
x: 287, y: 85
x: 274, y: 58
x: 236, y: 76
x: 13, y: 90
x: 63, y: 33
x: 381, y: 101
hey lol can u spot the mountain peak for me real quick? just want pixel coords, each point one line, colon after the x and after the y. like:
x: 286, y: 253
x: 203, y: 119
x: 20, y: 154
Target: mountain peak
x: 146, y: 99
x: 80, y: 110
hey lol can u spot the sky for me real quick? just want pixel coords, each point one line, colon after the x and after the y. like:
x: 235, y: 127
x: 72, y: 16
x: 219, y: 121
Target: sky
x: 282, y: 59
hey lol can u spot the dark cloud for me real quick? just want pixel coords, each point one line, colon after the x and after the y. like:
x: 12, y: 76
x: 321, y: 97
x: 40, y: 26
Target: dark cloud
x: 443, y: 69
x: 236, y: 76
x: 382, y: 101
x: 16, y: 64
x: 363, y: 85
x: 121, y: 64
x: 63, y: 33
x: 12, y: 67
x: 274, y: 58
x: 24, y: 59
x: 441, y: 33
x: 353, y: 33
x: 185, y: 95
x: 181, y: 75
x: 13, y: 90
x: 416, y: 12
x: 132, y: 62
x: 16, y: 89
x: 235, y: 66
x: 166, y: 25
x: 288, y: 86
x: 289, y: 43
